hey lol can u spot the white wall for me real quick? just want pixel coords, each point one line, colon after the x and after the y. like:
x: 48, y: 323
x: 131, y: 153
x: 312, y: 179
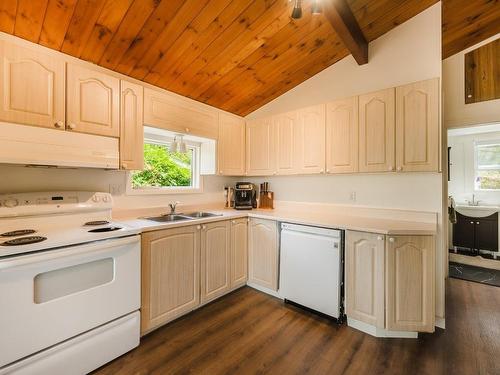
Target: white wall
x: 456, y: 112
x: 24, y: 179
x: 461, y: 184
x: 408, y: 53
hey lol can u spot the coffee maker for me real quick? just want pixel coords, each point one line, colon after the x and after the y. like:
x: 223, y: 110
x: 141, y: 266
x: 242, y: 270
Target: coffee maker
x: 245, y: 196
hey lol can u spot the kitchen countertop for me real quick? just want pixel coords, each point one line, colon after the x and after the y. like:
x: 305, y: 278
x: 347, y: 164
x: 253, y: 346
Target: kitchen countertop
x: 335, y: 220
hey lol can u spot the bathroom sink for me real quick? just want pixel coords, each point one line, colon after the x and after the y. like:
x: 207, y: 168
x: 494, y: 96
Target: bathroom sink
x: 200, y: 214
x: 169, y: 218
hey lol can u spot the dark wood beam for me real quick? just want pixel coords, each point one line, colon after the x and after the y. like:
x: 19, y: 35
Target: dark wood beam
x: 345, y: 25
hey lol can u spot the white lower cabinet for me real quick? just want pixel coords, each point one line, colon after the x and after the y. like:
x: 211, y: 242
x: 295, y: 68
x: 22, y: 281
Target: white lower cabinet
x: 263, y: 253
x: 390, y: 281
x: 215, y: 260
x: 186, y: 267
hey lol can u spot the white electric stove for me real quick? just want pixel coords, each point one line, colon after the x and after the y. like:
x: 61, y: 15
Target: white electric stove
x: 69, y: 283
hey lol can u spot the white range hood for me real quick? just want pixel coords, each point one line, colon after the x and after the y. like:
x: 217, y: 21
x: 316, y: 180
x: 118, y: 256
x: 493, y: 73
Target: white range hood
x: 31, y: 145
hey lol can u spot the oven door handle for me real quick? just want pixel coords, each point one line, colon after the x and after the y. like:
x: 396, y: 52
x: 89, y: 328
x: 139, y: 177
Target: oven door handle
x: 70, y: 251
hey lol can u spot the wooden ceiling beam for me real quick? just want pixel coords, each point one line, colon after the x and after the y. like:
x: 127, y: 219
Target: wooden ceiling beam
x: 340, y: 16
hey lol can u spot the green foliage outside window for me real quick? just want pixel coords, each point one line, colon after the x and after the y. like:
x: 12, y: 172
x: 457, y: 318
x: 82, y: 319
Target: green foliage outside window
x: 488, y: 167
x: 163, y: 168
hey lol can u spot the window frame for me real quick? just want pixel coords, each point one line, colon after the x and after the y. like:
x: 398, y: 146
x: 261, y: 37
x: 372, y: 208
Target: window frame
x: 196, y: 177
x: 476, y: 145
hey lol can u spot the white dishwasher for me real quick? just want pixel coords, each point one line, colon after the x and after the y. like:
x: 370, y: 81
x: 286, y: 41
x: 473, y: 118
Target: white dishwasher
x: 311, y: 267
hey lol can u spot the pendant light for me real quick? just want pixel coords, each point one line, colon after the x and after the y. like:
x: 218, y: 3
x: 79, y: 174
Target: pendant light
x: 316, y: 7
x: 297, y: 10
x: 178, y: 145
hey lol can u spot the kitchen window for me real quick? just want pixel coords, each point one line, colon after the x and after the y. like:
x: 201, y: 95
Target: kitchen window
x: 487, y: 165
x: 165, y: 171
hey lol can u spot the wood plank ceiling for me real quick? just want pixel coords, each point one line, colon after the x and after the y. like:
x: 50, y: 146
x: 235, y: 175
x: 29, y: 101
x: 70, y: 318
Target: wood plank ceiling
x: 235, y: 55
x: 468, y: 22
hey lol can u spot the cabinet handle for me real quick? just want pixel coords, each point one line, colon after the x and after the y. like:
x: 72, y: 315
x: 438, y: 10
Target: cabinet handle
x: 71, y: 126
x: 477, y: 222
x: 124, y: 165
x: 391, y: 239
x: 400, y: 169
x: 187, y: 130
x: 327, y: 171
x: 203, y: 227
x: 58, y: 124
x: 380, y: 238
x: 233, y: 221
x: 274, y: 172
x: 220, y: 172
x: 472, y: 222
x: 198, y: 227
x: 321, y: 170
x: 391, y: 168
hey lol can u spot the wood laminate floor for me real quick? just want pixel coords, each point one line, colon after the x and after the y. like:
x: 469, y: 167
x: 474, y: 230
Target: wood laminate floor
x: 248, y: 332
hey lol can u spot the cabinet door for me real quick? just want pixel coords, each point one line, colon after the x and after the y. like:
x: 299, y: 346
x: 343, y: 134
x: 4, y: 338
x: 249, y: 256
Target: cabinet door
x: 310, y: 140
x: 131, y: 127
x: 417, y: 126
x: 376, y: 131
x: 486, y: 232
x: 170, y: 275
x: 215, y: 260
x: 260, y: 150
x: 32, y: 87
x: 365, y: 257
x: 179, y: 114
x: 231, y: 145
x: 285, y: 127
x: 410, y: 283
x: 93, y: 102
x: 263, y: 253
x: 342, y: 136
x: 463, y: 231
x: 239, y: 252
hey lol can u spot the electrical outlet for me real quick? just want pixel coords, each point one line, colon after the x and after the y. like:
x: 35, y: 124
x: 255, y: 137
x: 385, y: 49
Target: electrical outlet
x: 352, y: 196
x: 115, y: 189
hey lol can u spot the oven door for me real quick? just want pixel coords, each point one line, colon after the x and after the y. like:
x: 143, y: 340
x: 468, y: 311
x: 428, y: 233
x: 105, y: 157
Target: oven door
x: 51, y: 296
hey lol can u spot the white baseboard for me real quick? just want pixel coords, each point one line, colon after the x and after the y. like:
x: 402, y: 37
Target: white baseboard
x: 380, y: 332
x: 440, y: 323
x: 265, y: 290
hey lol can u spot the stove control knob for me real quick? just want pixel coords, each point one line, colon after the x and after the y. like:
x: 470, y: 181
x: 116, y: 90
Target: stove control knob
x: 95, y: 198
x: 11, y: 202
x: 105, y: 199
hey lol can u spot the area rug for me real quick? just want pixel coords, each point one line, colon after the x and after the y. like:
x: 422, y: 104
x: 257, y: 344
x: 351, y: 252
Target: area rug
x: 476, y: 274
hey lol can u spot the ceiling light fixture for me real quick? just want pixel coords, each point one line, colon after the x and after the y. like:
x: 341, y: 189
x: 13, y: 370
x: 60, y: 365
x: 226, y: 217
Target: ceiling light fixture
x: 297, y: 10
x: 178, y: 145
x: 316, y: 7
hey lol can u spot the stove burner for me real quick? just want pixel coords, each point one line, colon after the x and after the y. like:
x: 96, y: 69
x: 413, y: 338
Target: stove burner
x: 97, y: 222
x: 106, y: 229
x: 20, y: 232
x: 23, y: 241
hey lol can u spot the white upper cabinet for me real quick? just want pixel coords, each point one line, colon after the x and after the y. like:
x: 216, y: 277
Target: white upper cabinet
x: 231, y: 145
x: 93, y: 101
x: 131, y: 126
x: 376, y: 131
x: 285, y: 127
x: 260, y: 148
x: 417, y: 126
x: 32, y: 87
x: 175, y: 113
x: 310, y: 142
x: 342, y: 136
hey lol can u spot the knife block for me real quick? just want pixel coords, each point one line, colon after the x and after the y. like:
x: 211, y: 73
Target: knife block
x: 266, y: 199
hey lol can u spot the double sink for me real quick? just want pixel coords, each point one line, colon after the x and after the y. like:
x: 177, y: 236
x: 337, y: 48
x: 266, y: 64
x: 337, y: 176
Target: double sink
x: 180, y: 217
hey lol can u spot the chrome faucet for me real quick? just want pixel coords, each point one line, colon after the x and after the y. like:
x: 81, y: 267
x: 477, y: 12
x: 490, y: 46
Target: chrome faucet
x: 473, y: 202
x: 172, y: 206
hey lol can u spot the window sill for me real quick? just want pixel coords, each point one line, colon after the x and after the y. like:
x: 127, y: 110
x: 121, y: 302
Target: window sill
x: 165, y: 191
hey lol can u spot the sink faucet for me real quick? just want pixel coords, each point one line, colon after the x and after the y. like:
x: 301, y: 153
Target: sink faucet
x: 172, y: 206
x: 473, y: 202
